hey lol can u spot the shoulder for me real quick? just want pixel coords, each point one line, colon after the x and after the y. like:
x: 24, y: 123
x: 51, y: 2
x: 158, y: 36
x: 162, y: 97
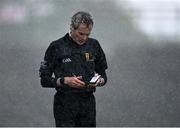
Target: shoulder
x: 94, y: 42
x: 61, y: 42
x: 58, y: 42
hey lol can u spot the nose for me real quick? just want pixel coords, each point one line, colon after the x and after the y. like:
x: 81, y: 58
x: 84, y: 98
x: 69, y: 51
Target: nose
x: 85, y: 37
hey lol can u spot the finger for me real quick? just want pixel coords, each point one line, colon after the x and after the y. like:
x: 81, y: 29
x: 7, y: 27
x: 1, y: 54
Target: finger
x: 98, y: 82
x: 79, y: 82
x: 76, y: 84
x: 79, y: 77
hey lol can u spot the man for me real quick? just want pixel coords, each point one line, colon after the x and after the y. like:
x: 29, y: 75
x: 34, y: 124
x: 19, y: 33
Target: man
x: 74, y: 59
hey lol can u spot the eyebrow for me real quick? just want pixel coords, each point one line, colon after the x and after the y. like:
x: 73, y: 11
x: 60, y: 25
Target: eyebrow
x: 84, y: 33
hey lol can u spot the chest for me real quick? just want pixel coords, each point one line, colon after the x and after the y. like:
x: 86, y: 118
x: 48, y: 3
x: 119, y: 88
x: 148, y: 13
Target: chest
x: 69, y: 54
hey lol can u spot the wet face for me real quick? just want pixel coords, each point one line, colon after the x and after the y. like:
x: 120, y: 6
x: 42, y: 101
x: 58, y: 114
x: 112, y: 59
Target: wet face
x: 81, y: 34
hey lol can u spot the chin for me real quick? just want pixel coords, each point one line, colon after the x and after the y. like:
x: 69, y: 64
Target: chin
x: 80, y: 43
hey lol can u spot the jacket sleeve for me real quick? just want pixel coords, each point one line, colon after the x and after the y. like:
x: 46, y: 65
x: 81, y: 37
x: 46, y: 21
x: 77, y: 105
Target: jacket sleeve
x: 100, y: 62
x: 47, y: 68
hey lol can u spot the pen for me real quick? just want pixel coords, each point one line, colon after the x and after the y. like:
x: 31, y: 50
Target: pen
x: 73, y: 75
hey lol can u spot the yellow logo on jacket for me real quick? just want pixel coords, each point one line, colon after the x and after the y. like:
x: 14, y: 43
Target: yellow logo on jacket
x: 87, y: 56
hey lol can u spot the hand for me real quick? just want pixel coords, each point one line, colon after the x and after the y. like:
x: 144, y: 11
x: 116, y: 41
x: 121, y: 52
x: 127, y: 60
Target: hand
x: 74, y: 81
x: 99, y: 82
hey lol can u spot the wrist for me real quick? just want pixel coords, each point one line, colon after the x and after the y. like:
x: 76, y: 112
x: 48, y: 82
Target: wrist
x: 60, y: 81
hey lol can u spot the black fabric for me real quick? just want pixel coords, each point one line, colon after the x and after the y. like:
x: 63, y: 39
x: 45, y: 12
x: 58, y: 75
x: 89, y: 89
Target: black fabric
x: 74, y: 109
x: 64, y: 58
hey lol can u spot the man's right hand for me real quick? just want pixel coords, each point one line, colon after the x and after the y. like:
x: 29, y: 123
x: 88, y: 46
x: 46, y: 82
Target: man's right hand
x: 74, y: 81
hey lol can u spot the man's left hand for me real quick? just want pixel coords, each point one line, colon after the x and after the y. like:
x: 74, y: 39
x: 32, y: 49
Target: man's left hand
x: 99, y: 83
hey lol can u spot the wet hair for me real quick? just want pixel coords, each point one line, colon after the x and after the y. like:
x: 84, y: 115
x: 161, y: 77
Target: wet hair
x: 81, y: 17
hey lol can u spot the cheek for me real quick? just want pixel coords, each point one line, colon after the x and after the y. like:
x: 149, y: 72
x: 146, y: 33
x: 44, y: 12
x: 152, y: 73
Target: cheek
x: 78, y: 37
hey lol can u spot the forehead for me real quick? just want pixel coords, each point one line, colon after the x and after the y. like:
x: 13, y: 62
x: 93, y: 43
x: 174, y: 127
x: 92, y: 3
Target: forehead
x: 83, y: 27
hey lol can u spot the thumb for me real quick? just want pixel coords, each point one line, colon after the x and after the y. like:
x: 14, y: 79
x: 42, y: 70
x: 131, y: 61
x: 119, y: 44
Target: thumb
x: 79, y: 77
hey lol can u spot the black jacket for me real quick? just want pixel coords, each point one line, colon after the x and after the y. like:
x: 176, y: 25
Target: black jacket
x: 64, y: 57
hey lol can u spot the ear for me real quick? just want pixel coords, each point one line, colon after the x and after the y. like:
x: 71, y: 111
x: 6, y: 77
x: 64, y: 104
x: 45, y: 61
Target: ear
x: 71, y: 27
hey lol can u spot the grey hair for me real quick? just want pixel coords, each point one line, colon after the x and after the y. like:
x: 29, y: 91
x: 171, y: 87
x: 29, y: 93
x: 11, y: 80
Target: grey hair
x: 81, y: 17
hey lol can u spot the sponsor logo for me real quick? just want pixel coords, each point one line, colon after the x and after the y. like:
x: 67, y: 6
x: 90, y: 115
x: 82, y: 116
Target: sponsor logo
x: 87, y: 56
x: 66, y: 60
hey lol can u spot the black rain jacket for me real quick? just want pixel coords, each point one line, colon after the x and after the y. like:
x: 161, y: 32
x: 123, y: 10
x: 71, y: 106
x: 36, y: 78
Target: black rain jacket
x: 64, y: 57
